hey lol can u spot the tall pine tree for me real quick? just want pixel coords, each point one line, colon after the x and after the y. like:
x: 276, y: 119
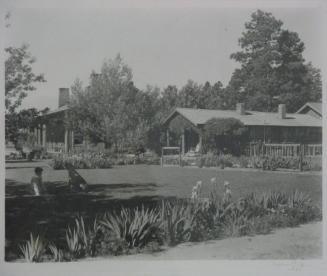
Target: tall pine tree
x: 273, y: 69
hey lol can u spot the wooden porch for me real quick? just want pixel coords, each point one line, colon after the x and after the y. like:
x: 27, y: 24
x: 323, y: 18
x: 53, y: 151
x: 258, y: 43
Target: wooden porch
x: 284, y: 149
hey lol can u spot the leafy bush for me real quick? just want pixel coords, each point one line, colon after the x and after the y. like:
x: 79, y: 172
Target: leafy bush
x: 101, y: 160
x: 271, y: 163
x: 149, y: 160
x: 223, y: 134
x: 34, y: 249
x: 313, y: 163
x: 14, y: 156
x: 274, y: 162
x: 213, y: 160
x: 82, y: 161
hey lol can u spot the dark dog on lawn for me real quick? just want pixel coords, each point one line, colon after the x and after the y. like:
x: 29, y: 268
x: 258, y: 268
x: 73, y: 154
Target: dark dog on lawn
x: 76, y: 182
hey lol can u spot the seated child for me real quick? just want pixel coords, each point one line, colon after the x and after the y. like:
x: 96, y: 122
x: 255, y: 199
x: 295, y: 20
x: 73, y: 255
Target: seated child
x: 37, y: 183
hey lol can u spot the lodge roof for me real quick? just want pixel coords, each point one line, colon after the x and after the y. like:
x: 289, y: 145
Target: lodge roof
x: 317, y: 107
x: 58, y: 110
x: 251, y: 118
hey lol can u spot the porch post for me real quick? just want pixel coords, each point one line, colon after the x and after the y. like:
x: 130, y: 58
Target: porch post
x: 39, y: 134
x: 168, y: 138
x: 200, y: 143
x: 72, y: 139
x: 44, y: 136
x: 35, y: 134
x: 66, y: 140
x: 183, y: 142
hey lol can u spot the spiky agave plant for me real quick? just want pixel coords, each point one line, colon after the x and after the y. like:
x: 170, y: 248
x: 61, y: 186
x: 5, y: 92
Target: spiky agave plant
x: 74, y: 244
x: 81, y: 242
x: 298, y: 199
x: 275, y: 199
x: 237, y: 224
x: 177, y: 221
x: 56, y: 253
x: 93, y: 237
x: 33, y: 249
x: 137, y: 227
x: 81, y: 232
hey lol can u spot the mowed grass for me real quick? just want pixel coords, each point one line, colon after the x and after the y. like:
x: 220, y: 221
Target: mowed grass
x: 124, y: 186
x: 140, y: 180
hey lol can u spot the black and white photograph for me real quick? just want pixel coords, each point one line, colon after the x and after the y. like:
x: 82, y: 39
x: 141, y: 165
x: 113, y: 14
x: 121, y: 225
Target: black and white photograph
x: 162, y: 131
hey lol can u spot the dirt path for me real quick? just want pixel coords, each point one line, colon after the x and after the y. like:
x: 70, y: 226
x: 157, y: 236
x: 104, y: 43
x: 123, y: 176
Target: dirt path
x: 304, y: 242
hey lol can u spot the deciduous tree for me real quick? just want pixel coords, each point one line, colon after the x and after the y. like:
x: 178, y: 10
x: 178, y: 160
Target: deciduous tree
x: 111, y: 109
x: 19, y: 76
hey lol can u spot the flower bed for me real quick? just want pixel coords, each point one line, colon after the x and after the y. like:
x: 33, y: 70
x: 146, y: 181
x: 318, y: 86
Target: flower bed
x: 257, y: 162
x: 101, y: 160
x: 82, y: 161
x: 147, y: 229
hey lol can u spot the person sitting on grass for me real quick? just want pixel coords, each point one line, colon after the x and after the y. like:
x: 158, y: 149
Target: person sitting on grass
x: 76, y: 182
x: 37, y: 183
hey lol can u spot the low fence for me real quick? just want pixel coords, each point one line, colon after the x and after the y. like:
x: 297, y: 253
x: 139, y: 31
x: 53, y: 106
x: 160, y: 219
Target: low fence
x: 287, y: 150
x: 313, y: 150
x: 171, y: 156
x: 53, y: 147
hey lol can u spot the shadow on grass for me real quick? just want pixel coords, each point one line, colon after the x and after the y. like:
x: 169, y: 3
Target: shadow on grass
x: 21, y: 161
x: 22, y: 167
x: 49, y: 215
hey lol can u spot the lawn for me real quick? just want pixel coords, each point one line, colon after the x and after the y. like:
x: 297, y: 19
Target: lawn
x: 126, y: 185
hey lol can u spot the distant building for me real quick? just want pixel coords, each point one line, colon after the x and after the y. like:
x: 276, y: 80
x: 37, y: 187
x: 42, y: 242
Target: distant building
x: 304, y: 126
x: 311, y: 108
x: 52, y: 133
x: 266, y: 127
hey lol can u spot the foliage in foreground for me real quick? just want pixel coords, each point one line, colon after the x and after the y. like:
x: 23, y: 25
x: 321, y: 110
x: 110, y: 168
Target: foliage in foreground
x: 33, y: 249
x: 172, y: 222
x: 136, y: 227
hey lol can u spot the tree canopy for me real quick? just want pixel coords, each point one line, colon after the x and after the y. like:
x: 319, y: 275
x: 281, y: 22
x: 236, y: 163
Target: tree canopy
x: 273, y: 69
x: 111, y: 109
x: 24, y: 119
x: 19, y: 80
x: 19, y: 76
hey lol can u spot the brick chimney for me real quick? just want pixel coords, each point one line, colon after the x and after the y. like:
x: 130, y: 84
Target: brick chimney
x: 63, y: 96
x: 281, y: 111
x: 240, y: 108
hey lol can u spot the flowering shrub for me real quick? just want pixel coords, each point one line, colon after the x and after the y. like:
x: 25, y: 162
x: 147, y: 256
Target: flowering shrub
x: 274, y: 162
x: 313, y: 163
x: 14, y: 156
x: 101, y: 160
x: 271, y: 163
x: 82, y: 161
x: 212, y: 160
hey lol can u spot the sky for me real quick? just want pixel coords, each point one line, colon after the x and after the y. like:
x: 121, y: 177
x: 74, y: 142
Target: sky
x: 163, y: 44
